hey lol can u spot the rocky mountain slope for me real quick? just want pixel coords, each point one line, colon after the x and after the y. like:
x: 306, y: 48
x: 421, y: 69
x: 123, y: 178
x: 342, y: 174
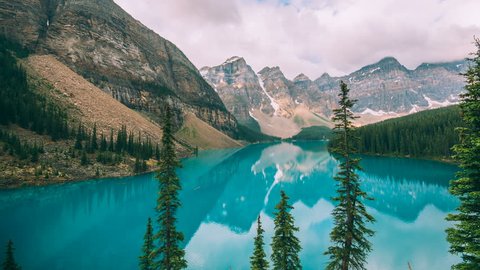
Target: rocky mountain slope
x: 104, y: 44
x: 86, y: 104
x: 282, y: 107
x: 266, y: 99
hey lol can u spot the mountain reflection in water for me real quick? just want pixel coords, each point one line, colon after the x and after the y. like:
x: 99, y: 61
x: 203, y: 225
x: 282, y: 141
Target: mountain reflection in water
x: 85, y: 225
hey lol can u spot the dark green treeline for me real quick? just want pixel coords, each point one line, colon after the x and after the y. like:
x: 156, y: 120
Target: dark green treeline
x: 429, y: 133
x: 20, y: 104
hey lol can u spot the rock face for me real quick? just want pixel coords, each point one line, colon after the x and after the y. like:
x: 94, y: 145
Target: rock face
x: 104, y: 44
x: 385, y: 89
x: 239, y: 88
x: 389, y: 87
x: 269, y: 98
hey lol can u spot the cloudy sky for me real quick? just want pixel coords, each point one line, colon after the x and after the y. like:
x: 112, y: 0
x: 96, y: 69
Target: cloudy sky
x: 313, y: 36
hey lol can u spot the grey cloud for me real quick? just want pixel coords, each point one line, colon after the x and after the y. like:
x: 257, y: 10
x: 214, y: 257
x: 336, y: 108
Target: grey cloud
x: 313, y: 36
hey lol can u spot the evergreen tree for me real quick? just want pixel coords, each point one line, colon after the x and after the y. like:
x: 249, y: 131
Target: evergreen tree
x: 157, y: 152
x: 138, y: 166
x: 259, y: 261
x: 285, y: 245
x: 146, y: 259
x: 464, y: 236
x: 9, y: 263
x: 350, y: 245
x: 169, y: 255
x: 84, y: 159
x: 94, y: 143
x: 103, y: 143
x: 79, y: 137
x: 111, y: 143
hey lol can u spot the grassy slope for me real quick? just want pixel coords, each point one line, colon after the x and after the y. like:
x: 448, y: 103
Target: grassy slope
x: 198, y: 133
x: 88, y: 103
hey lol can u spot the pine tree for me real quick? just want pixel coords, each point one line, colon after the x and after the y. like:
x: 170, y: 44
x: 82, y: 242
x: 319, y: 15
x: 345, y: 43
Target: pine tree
x: 103, y: 143
x: 146, y: 259
x: 259, y: 261
x: 9, y: 263
x: 111, y: 143
x: 350, y: 245
x: 138, y: 166
x: 79, y: 138
x: 94, y: 143
x: 157, y: 152
x: 464, y: 236
x: 285, y: 245
x: 169, y: 255
x: 84, y: 159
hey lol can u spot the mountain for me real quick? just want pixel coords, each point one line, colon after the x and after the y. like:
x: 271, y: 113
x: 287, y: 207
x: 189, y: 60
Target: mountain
x: 105, y: 45
x: 282, y: 107
x: 239, y: 88
x: 267, y: 99
x: 83, y: 94
x: 387, y: 88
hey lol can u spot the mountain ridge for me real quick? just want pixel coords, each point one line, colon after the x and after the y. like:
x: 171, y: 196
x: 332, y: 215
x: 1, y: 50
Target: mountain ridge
x: 384, y: 89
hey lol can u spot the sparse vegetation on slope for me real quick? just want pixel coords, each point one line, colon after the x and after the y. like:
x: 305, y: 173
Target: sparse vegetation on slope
x: 199, y: 134
x: 314, y: 133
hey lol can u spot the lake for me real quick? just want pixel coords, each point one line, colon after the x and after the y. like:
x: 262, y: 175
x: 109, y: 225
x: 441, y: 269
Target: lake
x: 100, y: 224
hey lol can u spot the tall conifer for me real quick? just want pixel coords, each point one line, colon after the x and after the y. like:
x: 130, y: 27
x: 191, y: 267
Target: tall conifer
x: 349, y: 243
x: 258, y: 261
x: 146, y: 259
x: 94, y: 144
x: 285, y: 245
x: 464, y: 236
x: 169, y: 255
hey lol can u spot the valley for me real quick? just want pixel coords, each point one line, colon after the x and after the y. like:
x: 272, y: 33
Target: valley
x: 182, y: 134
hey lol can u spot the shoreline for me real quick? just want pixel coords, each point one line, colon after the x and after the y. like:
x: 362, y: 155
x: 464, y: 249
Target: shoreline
x: 437, y: 159
x: 6, y: 184
x: 120, y: 171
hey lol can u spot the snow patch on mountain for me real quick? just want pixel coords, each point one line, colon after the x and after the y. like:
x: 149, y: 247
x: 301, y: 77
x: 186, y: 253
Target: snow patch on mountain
x: 274, y: 104
x: 251, y: 115
x: 376, y: 113
x: 375, y: 69
x: 414, y: 109
x: 435, y: 104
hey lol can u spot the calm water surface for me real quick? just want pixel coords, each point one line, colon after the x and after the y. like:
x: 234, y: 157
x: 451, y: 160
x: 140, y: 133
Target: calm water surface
x: 100, y: 224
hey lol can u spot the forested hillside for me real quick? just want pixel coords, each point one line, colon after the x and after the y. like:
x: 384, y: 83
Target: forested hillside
x: 429, y: 134
x: 19, y: 104
x: 39, y: 142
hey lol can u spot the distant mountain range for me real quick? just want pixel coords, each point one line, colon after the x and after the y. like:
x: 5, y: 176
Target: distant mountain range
x: 281, y: 107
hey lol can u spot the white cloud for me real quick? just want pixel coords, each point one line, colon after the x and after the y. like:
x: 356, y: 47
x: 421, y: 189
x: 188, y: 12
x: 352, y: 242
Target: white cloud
x: 313, y: 36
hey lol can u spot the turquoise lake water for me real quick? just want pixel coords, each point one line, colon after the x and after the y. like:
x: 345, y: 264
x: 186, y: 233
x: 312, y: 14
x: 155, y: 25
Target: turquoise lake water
x: 100, y: 224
